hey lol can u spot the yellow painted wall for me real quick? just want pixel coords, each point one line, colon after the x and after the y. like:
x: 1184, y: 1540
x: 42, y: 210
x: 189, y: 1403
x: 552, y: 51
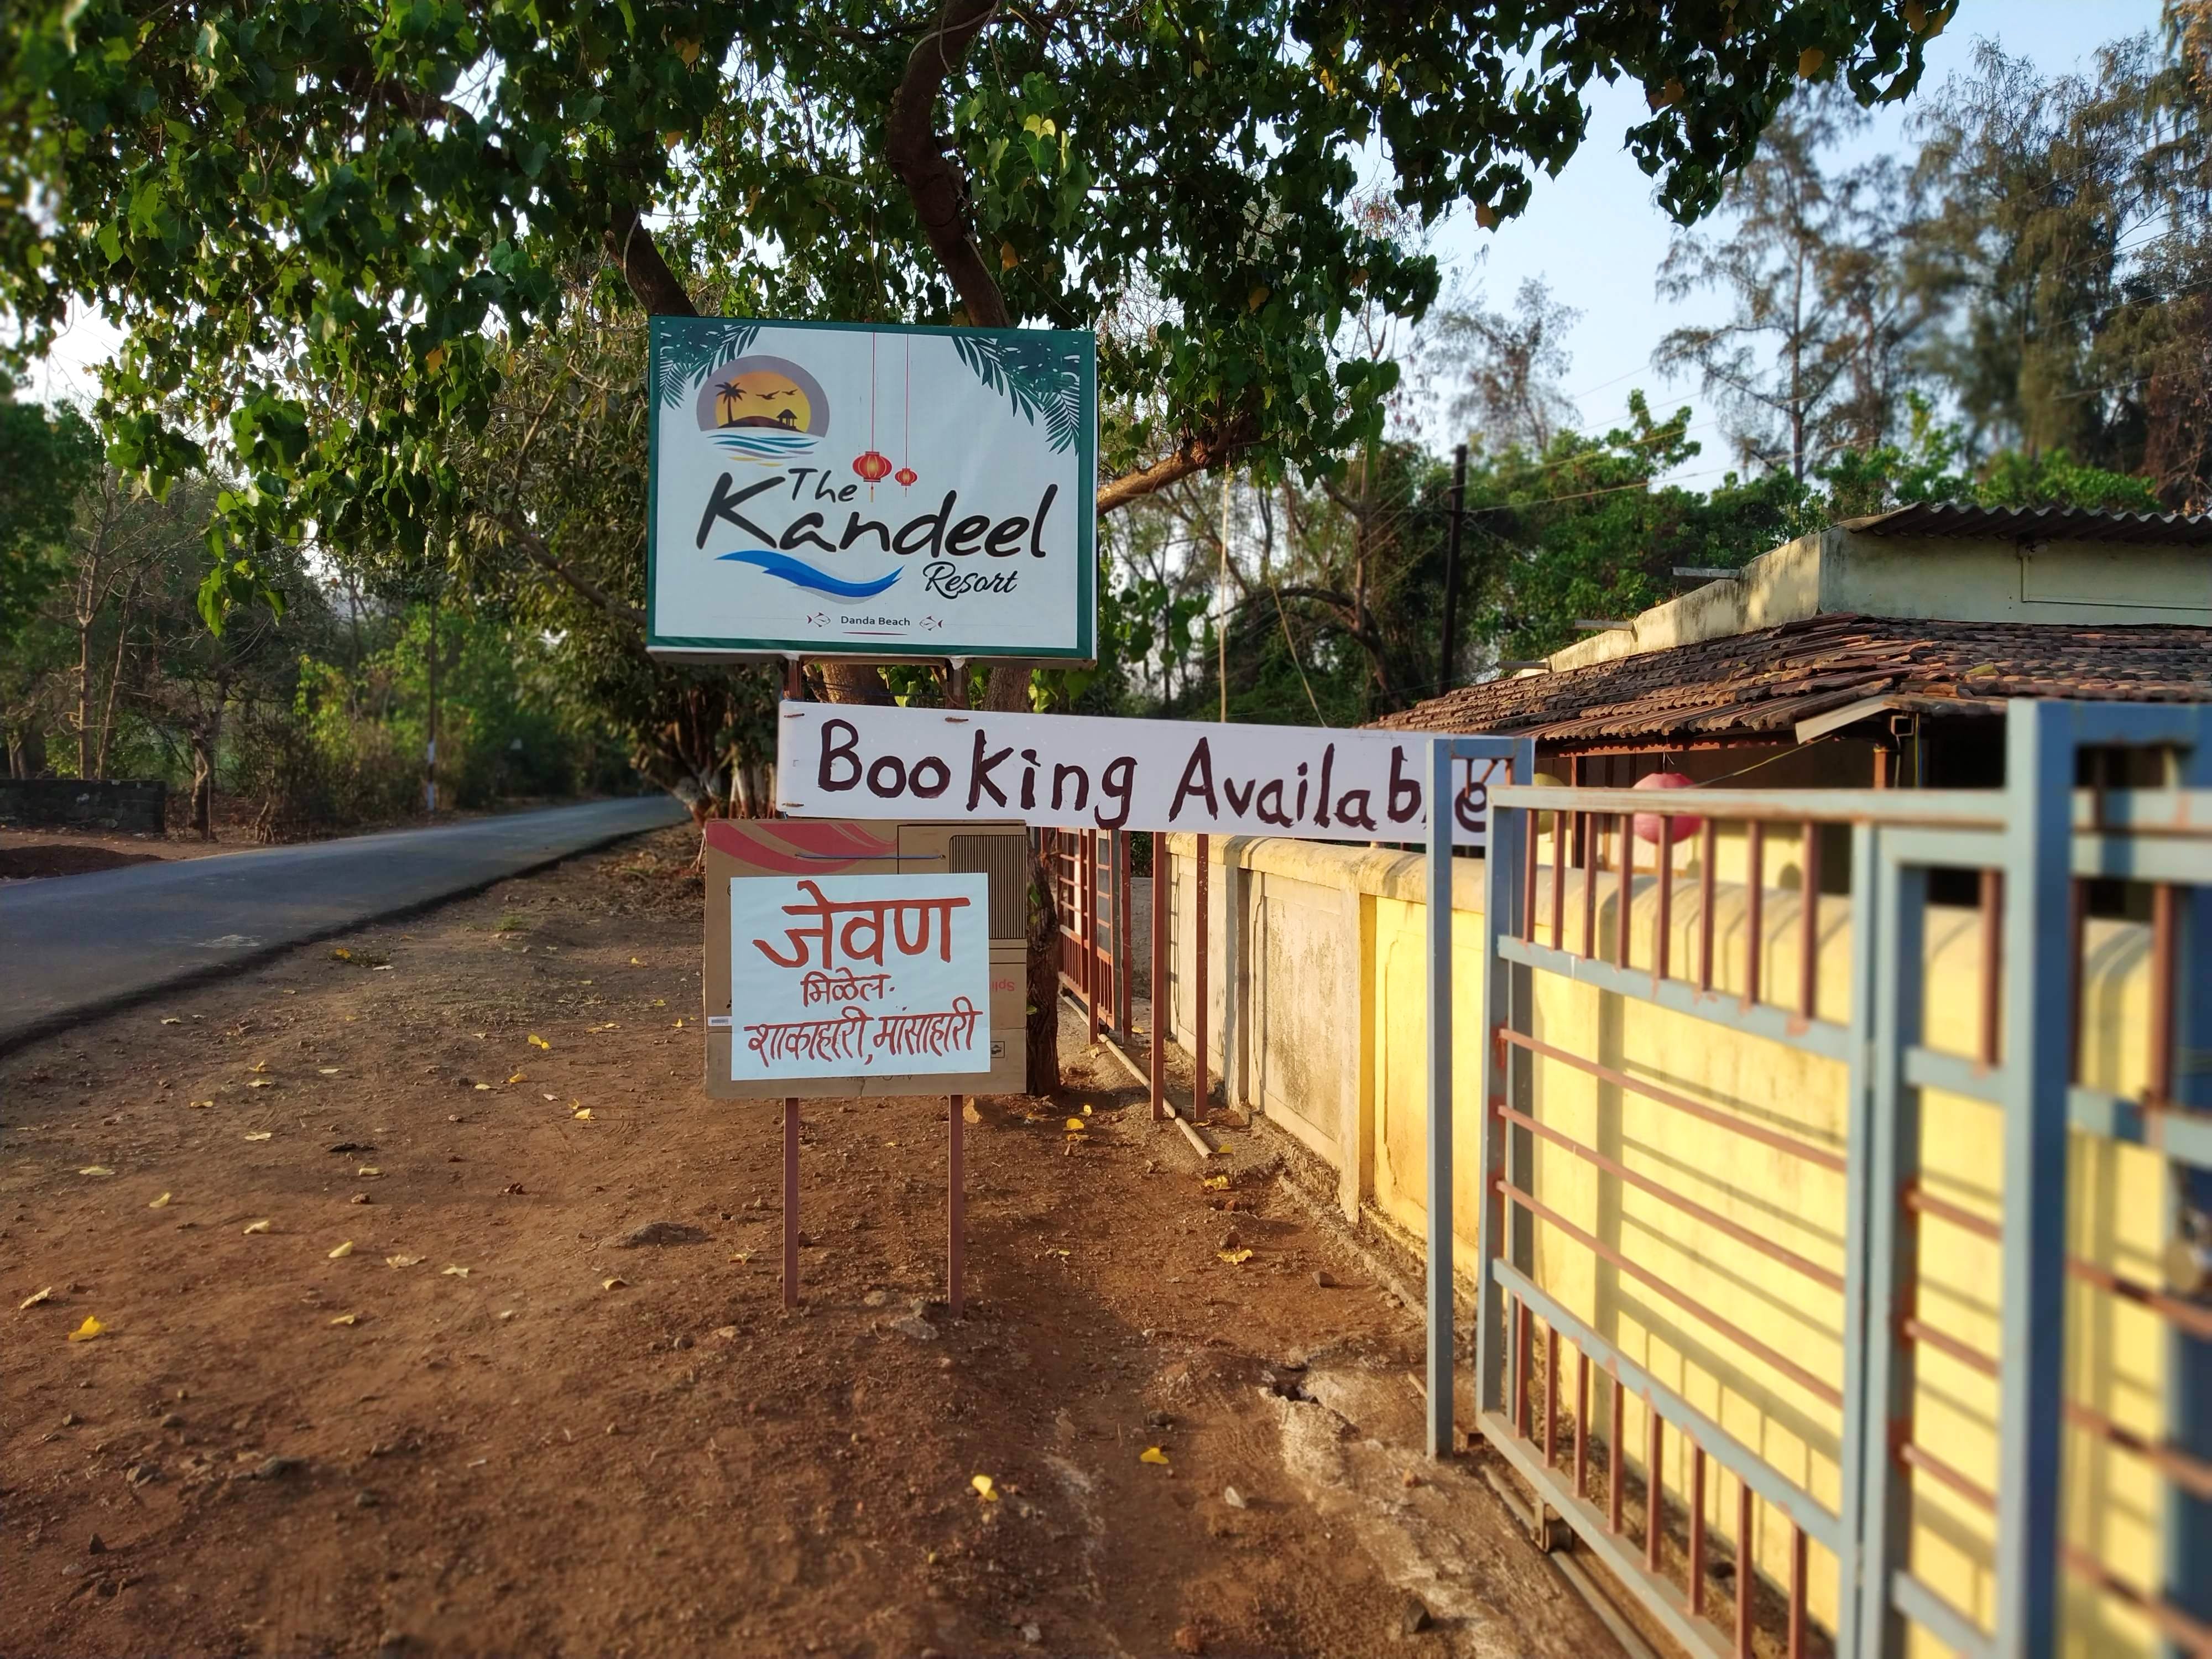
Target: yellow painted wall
x: 2118, y: 1198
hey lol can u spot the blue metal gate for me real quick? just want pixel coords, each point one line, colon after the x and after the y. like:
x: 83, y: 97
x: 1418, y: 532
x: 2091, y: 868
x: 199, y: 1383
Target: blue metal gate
x: 1889, y: 1341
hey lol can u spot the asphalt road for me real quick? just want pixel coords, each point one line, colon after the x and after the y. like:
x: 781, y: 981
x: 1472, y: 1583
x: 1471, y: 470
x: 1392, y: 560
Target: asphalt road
x: 75, y: 946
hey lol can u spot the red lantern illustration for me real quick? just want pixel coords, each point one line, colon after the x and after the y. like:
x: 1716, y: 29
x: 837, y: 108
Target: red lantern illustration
x: 873, y: 465
x: 906, y: 475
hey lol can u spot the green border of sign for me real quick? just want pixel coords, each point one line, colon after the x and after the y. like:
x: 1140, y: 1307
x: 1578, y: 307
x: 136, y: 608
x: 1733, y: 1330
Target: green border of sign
x: 700, y: 647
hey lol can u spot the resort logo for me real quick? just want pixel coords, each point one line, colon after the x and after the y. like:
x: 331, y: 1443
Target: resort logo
x: 764, y: 410
x: 771, y: 412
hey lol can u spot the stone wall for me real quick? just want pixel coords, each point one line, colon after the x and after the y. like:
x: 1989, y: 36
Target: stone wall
x: 128, y: 808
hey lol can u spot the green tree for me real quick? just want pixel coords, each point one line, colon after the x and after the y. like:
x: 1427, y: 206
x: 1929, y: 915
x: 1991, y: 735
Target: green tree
x: 1813, y: 358
x: 372, y: 201
x: 45, y: 458
x: 1583, y: 531
x: 2069, y: 250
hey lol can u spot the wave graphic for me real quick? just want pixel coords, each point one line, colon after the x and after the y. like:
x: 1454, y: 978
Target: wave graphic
x: 765, y: 443
x: 799, y: 573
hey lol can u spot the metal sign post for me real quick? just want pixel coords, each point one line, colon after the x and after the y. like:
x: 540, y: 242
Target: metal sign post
x: 1499, y: 860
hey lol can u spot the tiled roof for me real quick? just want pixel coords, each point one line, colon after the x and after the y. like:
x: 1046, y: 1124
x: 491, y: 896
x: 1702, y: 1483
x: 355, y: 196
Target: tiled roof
x: 1764, y: 682
x: 2052, y: 524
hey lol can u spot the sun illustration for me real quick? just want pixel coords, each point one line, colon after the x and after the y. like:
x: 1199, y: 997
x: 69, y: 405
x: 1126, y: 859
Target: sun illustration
x: 753, y: 394
x: 762, y: 397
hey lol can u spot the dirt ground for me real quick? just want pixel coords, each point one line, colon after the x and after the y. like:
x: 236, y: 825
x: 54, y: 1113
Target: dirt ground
x: 25, y: 853
x: 381, y: 1368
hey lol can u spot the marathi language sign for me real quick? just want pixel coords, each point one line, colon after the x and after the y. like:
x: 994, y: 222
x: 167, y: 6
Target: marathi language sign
x: 841, y: 976
x: 850, y: 760
x: 850, y: 489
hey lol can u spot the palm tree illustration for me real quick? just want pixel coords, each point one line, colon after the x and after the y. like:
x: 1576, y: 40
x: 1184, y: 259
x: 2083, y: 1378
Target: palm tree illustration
x: 727, y: 396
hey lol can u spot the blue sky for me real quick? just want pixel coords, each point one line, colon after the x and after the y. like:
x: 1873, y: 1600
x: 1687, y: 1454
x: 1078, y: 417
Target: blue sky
x: 1596, y: 236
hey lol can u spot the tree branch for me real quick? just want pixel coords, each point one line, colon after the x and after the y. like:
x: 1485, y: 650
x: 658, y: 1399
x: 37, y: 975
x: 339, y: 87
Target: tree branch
x: 533, y: 547
x: 1193, y: 455
x: 934, y: 181
x: 631, y: 249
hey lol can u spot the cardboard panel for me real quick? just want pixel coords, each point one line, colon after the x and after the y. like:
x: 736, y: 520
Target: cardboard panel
x: 788, y: 847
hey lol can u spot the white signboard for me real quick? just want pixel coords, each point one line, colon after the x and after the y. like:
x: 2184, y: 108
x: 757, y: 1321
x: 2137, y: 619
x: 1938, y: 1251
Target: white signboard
x: 842, y: 975
x: 850, y: 760
x: 848, y: 490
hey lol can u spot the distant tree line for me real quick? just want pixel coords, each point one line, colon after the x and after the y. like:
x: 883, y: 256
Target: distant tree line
x: 303, y: 720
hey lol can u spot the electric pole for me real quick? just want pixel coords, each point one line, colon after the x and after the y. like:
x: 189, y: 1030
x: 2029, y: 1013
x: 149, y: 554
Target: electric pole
x: 1448, y: 666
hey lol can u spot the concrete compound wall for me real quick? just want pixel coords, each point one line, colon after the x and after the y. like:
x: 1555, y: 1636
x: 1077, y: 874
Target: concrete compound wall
x: 126, y: 808
x: 1317, y: 1016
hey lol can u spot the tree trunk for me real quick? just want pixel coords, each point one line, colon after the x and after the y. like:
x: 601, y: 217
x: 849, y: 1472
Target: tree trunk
x: 1006, y: 691
x: 84, y: 695
x: 1041, y: 1068
x: 206, y: 738
x: 854, y: 682
x: 202, y: 812
x: 114, y: 680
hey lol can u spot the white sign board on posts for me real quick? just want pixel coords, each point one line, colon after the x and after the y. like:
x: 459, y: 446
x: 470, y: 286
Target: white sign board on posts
x: 842, y: 975
x: 863, y: 490
x: 1080, y: 772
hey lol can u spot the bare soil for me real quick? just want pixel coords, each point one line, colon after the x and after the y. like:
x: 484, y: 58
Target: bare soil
x: 50, y: 858
x: 443, y: 1401
x: 60, y: 850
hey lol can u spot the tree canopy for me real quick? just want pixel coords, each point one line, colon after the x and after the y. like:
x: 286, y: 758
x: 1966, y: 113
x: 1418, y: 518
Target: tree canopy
x: 45, y: 458
x: 327, y: 227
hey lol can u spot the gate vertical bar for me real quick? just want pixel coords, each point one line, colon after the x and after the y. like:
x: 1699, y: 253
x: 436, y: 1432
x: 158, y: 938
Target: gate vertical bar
x: 1892, y: 1157
x: 1163, y: 868
x: 2188, y: 1515
x: 1503, y: 1076
x: 1125, y: 957
x: 1439, y: 795
x: 1870, y: 923
x: 1515, y: 1006
x: 2032, y: 1346
x: 1090, y: 902
x: 1199, y: 1088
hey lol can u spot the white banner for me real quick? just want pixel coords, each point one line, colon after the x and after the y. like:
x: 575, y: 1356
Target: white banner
x: 842, y: 975
x: 834, y: 489
x: 1076, y: 772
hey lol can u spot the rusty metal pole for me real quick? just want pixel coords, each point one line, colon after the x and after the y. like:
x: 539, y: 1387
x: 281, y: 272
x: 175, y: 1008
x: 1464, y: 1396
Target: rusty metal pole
x: 1125, y: 959
x: 1090, y: 902
x: 1199, y: 1091
x: 790, y: 1201
x: 1158, y: 1019
x: 955, y: 1204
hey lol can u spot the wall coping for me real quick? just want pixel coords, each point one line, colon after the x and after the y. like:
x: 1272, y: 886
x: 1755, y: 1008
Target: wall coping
x: 1380, y: 871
